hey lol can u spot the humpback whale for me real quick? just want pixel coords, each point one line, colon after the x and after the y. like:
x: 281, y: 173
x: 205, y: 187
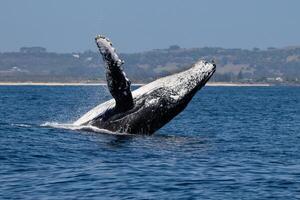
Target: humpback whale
x: 149, y: 107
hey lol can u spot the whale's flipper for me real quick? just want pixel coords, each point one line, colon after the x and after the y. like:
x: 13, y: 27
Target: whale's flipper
x: 117, y: 82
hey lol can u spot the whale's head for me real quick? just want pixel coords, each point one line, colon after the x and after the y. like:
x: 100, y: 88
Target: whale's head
x: 182, y: 87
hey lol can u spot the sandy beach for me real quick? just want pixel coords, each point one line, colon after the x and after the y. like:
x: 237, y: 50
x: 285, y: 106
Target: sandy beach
x: 134, y: 84
x: 238, y: 84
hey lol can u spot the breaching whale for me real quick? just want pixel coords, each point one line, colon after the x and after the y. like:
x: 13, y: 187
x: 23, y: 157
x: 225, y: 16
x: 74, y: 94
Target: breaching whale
x: 149, y: 107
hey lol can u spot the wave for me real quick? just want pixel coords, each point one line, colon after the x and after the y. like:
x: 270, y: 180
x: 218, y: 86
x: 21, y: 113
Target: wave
x: 21, y: 125
x: 89, y: 128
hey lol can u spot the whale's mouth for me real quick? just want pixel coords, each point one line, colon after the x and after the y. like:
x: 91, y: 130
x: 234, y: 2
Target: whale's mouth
x: 193, y: 79
x: 210, y: 73
x: 207, y: 71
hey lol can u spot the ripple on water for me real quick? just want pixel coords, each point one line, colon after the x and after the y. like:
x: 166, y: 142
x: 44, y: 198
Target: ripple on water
x: 229, y: 143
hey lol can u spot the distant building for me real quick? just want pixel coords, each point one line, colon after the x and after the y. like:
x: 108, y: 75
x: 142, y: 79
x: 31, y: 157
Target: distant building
x: 277, y: 79
x: 33, y: 50
x: 76, y: 55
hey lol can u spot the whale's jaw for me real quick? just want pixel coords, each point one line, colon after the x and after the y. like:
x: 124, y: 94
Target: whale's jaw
x: 157, y: 102
x: 184, y: 85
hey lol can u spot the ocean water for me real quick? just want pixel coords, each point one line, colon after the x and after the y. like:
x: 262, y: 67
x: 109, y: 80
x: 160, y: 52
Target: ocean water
x: 229, y: 143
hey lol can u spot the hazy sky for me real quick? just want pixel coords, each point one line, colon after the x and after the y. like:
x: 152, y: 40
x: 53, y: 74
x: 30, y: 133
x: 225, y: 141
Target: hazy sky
x: 139, y: 25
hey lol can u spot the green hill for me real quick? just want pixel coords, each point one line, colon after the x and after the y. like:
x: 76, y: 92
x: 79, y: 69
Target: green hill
x: 233, y: 65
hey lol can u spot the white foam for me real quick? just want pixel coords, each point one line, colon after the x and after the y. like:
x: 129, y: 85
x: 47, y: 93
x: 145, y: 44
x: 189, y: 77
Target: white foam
x: 79, y: 127
x: 21, y: 125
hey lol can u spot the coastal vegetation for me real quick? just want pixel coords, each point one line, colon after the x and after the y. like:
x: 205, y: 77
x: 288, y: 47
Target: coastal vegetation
x: 36, y: 64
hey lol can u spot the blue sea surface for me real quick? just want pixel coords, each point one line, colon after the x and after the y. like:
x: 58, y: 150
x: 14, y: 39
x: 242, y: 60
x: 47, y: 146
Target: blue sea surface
x: 229, y: 143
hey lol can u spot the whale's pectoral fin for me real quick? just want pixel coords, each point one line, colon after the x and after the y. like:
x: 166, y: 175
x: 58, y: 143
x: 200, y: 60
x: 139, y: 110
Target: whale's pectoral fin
x: 117, y: 82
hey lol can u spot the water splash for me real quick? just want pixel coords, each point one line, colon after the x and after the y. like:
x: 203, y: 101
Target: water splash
x: 21, y: 125
x: 89, y: 128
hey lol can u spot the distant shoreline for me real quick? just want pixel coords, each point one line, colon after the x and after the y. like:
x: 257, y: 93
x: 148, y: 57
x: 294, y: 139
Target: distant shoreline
x: 134, y: 84
x: 239, y: 84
